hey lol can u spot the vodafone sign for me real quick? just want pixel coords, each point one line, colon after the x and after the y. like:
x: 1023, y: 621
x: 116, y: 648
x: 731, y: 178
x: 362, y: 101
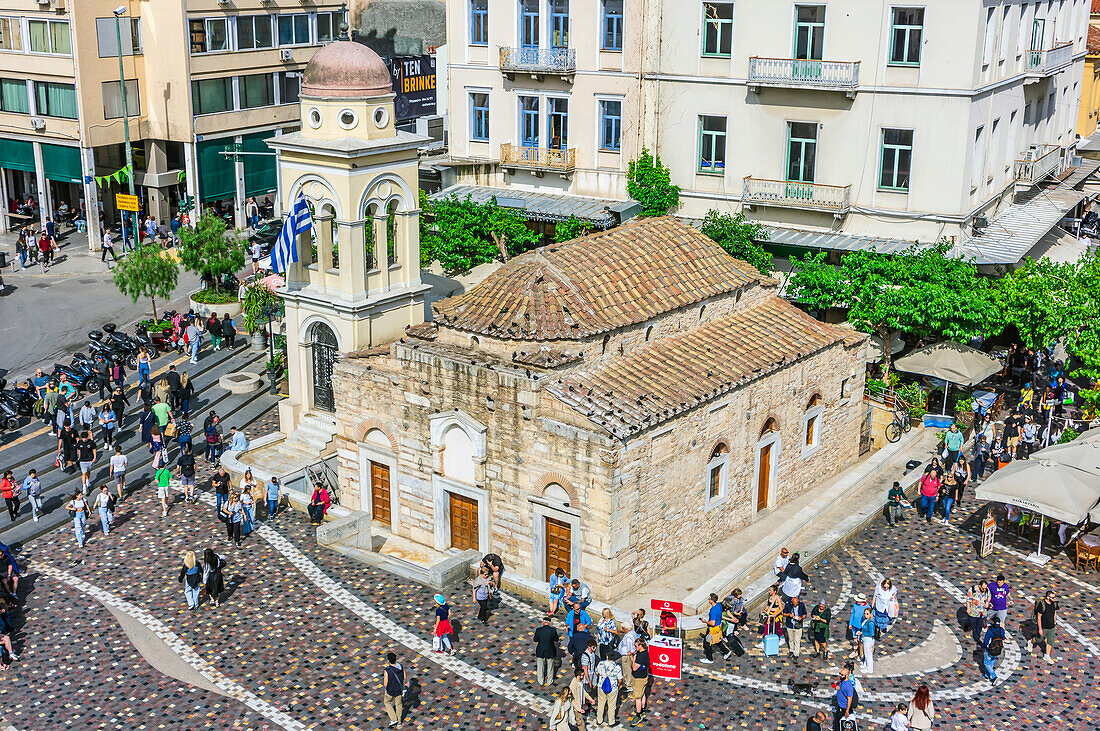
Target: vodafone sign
x: 666, y: 657
x: 660, y: 605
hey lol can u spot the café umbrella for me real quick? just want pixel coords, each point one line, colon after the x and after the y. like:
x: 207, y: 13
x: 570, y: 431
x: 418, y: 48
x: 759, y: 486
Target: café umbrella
x: 1044, y: 486
x: 951, y: 362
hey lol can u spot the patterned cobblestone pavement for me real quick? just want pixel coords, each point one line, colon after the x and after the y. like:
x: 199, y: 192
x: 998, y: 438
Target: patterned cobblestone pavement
x: 286, y: 638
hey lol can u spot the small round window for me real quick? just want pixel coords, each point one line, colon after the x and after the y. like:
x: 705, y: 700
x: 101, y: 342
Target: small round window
x: 314, y: 118
x: 381, y: 117
x: 348, y: 118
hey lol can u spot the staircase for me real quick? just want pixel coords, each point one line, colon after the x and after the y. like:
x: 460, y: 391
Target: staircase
x: 309, y: 446
x: 309, y: 440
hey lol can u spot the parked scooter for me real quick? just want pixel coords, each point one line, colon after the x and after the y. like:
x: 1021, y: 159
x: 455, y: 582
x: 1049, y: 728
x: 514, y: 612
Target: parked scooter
x: 20, y: 397
x: 110, y: 350
x: 9, y: 417
x: 80, y: 377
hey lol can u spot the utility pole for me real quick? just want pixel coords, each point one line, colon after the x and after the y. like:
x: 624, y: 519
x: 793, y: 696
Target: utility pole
x: 118, y: 13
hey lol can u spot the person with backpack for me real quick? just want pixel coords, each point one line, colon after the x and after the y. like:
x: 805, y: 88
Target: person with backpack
x: 1045, y: 611
x: 868, y: 633
x: 186, y: 464
x: 212, y: 432
x: 609, y: 679
x: 993, y: 646
x: 105, y: 505
x: 394, y: 687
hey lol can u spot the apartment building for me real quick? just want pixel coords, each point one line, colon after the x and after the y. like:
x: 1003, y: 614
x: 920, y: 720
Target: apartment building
x: 839, y: 123
x: 202, y: 77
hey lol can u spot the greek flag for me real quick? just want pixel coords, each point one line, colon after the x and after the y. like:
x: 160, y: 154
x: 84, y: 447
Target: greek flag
x: 299, y: 221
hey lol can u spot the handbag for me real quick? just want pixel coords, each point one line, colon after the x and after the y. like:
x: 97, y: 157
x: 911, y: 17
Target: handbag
x: 170, y: 429
x: 714, y: 635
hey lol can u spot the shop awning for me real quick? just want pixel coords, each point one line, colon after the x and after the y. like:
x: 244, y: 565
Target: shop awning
x: 62, y: 163
x: 216, y: 175
x: 537, y: 206
x: 833, y: 241
x: 259, y: 170
x: 17, y: 155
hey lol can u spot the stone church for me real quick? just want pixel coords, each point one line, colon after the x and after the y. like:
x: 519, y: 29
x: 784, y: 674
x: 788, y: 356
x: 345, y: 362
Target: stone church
x: 610, y: 405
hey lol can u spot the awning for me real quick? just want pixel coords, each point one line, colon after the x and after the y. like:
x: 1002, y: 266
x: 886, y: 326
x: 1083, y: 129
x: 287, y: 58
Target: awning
x: 1059, y: 246
x: 62, y: 163
x: 217, y: 178
x: 838, y: 241
x: 538, y: 206
x: 17, y: 155
x: 259, y: 170
x: 1044, y: 486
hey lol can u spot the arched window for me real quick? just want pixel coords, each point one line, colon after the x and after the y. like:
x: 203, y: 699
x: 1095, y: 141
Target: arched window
x: 327, y: 209
x: 811, y: 425
x: 770, y: 426
x: 718, y: 475
x: 391, y: 232
x: 556, y: 494
x: 606, y: 340
x: 458, y: 454
x: 368, y: 236
x: 702, y: 311
x: 648, y: 333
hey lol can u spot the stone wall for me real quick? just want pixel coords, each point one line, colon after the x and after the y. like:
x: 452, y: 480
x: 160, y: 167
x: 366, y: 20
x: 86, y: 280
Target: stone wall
x: 399, y: 27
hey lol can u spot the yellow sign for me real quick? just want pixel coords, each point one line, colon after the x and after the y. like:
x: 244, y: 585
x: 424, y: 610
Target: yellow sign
x: 125, y: 202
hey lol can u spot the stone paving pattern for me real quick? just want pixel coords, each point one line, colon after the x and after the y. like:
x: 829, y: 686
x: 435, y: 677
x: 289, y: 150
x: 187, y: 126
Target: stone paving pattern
x: 279, y: 637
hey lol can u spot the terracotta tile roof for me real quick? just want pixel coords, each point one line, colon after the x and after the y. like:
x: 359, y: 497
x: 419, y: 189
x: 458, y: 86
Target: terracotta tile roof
x: 546, y: 357
x: 1095, y: 6
x: 601, y: 282
x: 423, y: 331
x: 1092, y: 44
x: 642, y: 389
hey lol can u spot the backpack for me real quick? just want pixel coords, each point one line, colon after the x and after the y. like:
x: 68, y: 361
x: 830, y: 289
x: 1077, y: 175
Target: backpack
x: 211, y: 434
x: 606, y: 685
x: 395, y: 680
x: 996, y: 646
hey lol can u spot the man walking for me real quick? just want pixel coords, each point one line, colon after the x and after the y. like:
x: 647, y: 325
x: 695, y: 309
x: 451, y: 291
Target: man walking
x: 394, y: 685
x: 108, y: 248
x: 953, y: 442
x: 546, y: 652
x: 194, y: 340
x: 639, y: 664
x: 781, y: 562
x: 894, y: 500
x: 173, y: 377
x: 220, y: 482
x: 992, y: 647
x: 713, y: 638
x: 1045, y: 611
x: 845, y: 693
x: 999, y: 601
x: 795, y: 615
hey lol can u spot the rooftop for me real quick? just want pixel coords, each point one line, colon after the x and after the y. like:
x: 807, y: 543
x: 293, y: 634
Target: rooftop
x: 346, y: 69
x: 539, y: 206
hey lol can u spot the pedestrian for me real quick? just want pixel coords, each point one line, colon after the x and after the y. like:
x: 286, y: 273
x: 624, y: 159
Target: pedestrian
x: 816, y: 721
x: 1045, y: 611
x: 7, y: 631
x: 33, y: 487
x: 319, y: 502
x: 885, y: 604
x: 546, y: 653
x: 590, y: 658
x: 609, y: 680
x: 441, y: 634
x: 899, y: 719
x: 86, y: 417
x: 78, y: 511
x: 193, y: 335
x: 248, y: 503
x: 21, y: 250
x: 213, y: 578
x: 107, y: 424
x: 220, y: 482
x: 86, y: 453
x: 999, y: 601
x: 156, y: 446
x: 273, y: 494
x: 843, y: 702
x: 558, y: 582
x: 952, y: 442
x: 105, y: 505
x: 234, y: 518
x: 992, y: 646
x: 257, y: 253
x: 229, y: 331
x: 606, y: 629
x: 1029, y: 437
x: 895, y: 500
x: 562, y: 715
x: 626, y: 651
x: 186, y: 393
x: 118, y: 471
x: 713, y: 639
x: 482, y: 591
x: 792, y: 577
x: 103, y: 376
x: 45, y: 252
x: 734, y: 617
x: 855, y: 621
x: 977, y: 604
x: 212, y: 431
x: 795, y: 615
x: 920, y: 710
x: 929, y: 490
x: 50, y: 401
x: 174, y: 379
x: 183, y: 433
x: 781, y: 562
x: 773, y: 614
x: 66, y: 445
x: 163, y: 477
x: 10, y: 492
x: 394, y: 685
x: 143, y: 365
x: 639, y: 665
x: 162, y: 410
x: 867, y: 635
x: 191, y: 578
x: 819, y: 629
x: 147, y: 420
x: 186, y: 465
x: 581, y: 698
x: 214, y: 330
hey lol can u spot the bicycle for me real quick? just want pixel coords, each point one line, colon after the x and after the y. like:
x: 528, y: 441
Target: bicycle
x: 901, y: 423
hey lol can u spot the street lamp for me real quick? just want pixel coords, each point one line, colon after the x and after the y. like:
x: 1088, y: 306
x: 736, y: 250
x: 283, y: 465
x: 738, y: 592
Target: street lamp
x: 269, y: 311
x: 118, y: 13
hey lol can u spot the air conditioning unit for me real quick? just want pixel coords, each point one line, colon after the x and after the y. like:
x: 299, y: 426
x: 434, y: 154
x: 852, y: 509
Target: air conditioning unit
x: 286, y: 55
x: 57, y: 5
x: 43, y: 2
x: 37, y: 123
x: 223, y: 2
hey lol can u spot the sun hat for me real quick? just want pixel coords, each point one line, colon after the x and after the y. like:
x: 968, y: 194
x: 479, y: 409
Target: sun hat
x: 440, y: 599
x: 861, y: 598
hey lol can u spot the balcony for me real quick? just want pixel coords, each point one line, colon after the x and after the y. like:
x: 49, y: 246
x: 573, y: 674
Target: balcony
x: 539, y: 62
x: 1041, y: 64
x: 834, y: 199
x: 538, y: 159
x: 1037, y: 164
x: 796, y: 73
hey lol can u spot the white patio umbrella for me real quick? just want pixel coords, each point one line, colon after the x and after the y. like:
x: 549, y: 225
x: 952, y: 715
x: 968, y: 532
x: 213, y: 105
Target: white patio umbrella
x: 1090, y: 435
x: 950, y: 362
x: 874, y: 347
x: 1080, y: 454
x: 1044, y: 486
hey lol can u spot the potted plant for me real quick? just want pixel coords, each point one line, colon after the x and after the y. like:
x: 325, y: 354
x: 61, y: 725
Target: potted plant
x: 259, y: 305
x: 964, y: 410
x: 215, y: 254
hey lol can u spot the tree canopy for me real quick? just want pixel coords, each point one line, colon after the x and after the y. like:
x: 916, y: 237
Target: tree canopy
x: 650, y: 183
x: 209, y: 252
x: 739, y: 237
x: 148, y: 271
x: 460, y: 234
x: 571, y: 228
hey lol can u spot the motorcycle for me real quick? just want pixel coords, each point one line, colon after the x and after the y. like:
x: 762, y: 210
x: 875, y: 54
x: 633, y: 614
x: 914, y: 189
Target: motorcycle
x: 81, y: 377
x: 141, y: 338
x: 109, y: 350
x: 122, y: 341
x: 9, y: 418
x: 20, y: 397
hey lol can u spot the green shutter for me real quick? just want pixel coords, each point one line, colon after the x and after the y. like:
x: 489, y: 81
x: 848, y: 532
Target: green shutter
x: 259, y: 170
x: 62, y: 163
x: 17, y: 155
x: 216, y: 174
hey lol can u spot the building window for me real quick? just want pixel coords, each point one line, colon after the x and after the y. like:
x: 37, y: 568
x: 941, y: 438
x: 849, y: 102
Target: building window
x: 290, y: 86
x: 717, y: 476
x: 257, y: 90
x: 712, y: 145
x: 294, y: 29
x: 56, y: 100
x: 107, y: 36
x: 809, y: 32
x: 254, y: 31
x: 328, y: 25
x: 611, y: 124
x: 801, y: 151
x: 612, y: 25
x: 13, y: 96
x: 112, y: 100
x: 479, y: 116
x: 11, y: 35
x: 559, y: 23
x: 212, y: 95
x: 897, y: 158
x: 977, y: 163
x: 718, y: 29
x: 529, y: 23
x: 557, y: 123
x: 905, y: 36
x: 479, y: 22
x: 529, y: 121
x: 214, y: 37
x: 49, y: 36
x: 391, y: 233
x: 811, y: 425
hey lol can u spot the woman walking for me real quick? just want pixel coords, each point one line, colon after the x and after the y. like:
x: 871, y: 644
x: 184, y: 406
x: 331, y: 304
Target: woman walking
x: 229, y: 331
x: 107, y: 423
x: 105, y: 504
x: 234, y: 518
x: 921, y: 711
x: 213, y: 565
x: 10, y: 493
x: 156, y: 444
x: 186, y: 393
x: 119, y: 402
x: 214, y: 327
x: 929, y: 490
x: 443, y: 629
x: 78, y: 510
x: 562, y: 716
x: 148, y: 420
x: 248, y: 507
x: 885, y: 603
x: 867, y: 639
x: 482, y: 592
x: 819, y: 629
x: 143, y: 365
x: 191, y: 578
x: 977, y: 604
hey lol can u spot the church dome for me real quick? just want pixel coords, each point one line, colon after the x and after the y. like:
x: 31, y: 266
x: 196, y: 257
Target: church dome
x: 346, y: 69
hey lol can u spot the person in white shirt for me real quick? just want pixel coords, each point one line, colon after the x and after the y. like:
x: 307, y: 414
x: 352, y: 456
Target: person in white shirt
x: 108, y: 248
x: 900, y: 721
x: 781, y: 561
x: 118, y: 470
x: 625, y: 648
x: 103, y: 504
x: 237, y: 440
x: 609, y: 678
x: 86, y: 416
x: 885, y: 599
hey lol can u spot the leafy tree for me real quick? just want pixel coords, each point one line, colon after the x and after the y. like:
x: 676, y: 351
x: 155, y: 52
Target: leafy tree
x: 571, y: 228
x: 148, y: 271
x: 738, y: 236
x: 650, y: 183
x: 921, y: 292
x: 258, y: 302
x: 209, y: 252
x: 461, y: 234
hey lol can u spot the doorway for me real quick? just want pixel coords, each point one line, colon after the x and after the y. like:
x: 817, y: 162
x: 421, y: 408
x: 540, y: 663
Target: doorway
x: 464, y: 533
x: 558, y: 541
x: 324, y: 355
x: 380, y: 493
x: 764, y: 477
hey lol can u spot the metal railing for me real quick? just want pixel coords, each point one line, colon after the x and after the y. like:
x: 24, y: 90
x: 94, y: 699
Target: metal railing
x: 539, y: 60
x: 1037, y: 164
x: 803, y: 73
x: 812, y: 196
x: 1044, y: 63
x: 538, y: 158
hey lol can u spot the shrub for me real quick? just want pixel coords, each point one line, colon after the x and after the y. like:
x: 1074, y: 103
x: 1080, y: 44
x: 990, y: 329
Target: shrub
x: 214, y: 297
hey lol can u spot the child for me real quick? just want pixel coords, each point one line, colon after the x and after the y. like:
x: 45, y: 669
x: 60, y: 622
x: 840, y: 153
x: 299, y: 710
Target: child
x: 900, y: 721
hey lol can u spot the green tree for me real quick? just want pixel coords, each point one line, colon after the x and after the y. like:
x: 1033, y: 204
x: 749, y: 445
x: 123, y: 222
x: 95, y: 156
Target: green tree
x: 739, y: 237
x: 571, y: 228
x: 650, y: 183
x: 461, y: 234
x: 210, y: 252
x: 920, y: 292
x: 148, y: 271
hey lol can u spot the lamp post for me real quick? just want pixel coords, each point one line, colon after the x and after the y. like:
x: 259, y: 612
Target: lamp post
x: 118, y: 13
x: 269, y: 311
